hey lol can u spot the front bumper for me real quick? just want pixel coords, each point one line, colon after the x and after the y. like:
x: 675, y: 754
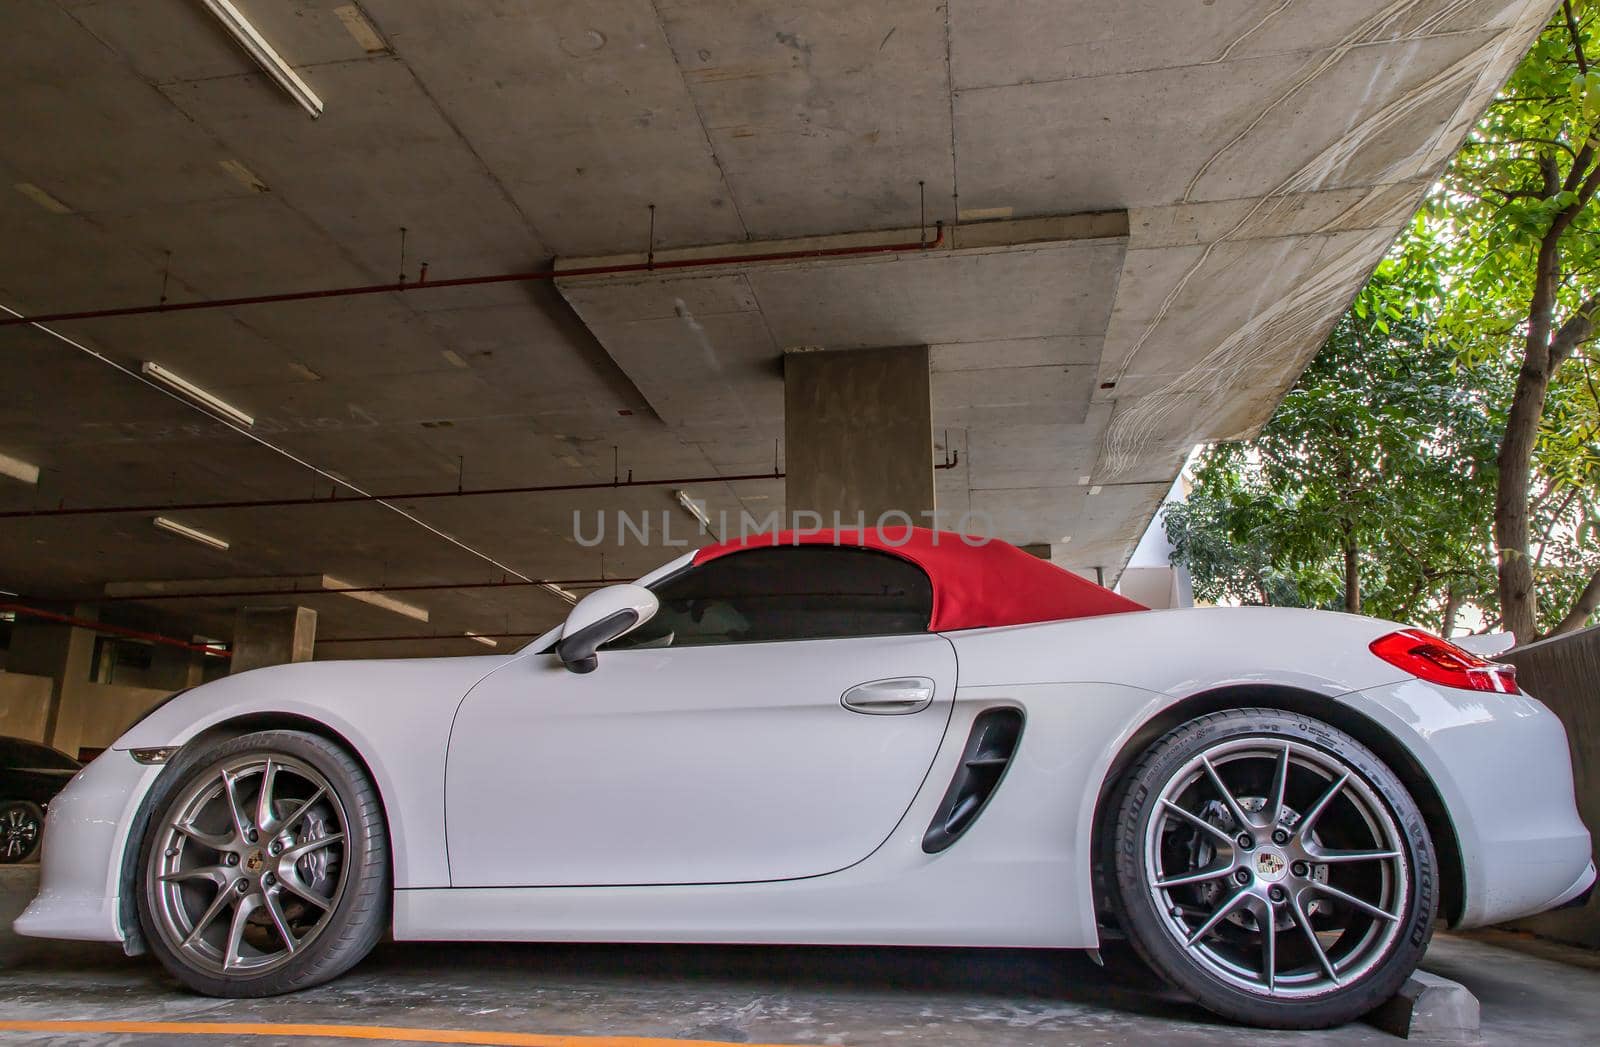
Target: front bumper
x: 85, y: 838
x: 1502, y: 766
x: 1577, y: 896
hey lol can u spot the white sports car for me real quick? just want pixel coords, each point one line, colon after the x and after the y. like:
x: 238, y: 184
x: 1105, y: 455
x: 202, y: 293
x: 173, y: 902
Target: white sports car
x: 844, y: 738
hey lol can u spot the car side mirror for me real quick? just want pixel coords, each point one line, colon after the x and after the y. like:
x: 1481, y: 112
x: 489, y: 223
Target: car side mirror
x: 599, y: 618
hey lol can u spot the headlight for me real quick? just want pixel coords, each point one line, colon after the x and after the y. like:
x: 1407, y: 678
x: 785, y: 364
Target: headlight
x: 160, y: 754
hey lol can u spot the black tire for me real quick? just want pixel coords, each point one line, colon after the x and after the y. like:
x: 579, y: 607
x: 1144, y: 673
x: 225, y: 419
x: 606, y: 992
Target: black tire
x: 21, y: 827
x: 1176, y: 928
x: 345, y: 930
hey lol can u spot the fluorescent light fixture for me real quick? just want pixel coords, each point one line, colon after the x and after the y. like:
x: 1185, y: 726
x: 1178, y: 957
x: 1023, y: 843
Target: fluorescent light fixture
x: 551, y: 587
x: 360, y: 29
x: 1095, y: 489
x: 272, y: 63
x: 482, y: 639
x: 17, y: 469
x: 185, y: 531
x: 42, y: 198
x: 388, y: 603
x: 193, y: 392
x: 694, y: 509
x: 244, y: 176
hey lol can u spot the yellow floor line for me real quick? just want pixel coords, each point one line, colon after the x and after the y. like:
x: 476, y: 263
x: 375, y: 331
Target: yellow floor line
x: 360, y: 1032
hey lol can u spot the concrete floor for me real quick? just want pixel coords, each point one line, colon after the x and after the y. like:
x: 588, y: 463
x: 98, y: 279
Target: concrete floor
x: 1531, y: 994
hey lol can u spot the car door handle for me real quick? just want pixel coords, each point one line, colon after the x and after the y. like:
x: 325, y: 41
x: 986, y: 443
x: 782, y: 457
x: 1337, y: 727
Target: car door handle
x: 897, y: 697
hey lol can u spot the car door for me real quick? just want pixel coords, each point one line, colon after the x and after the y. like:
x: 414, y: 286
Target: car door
x: 706, y: 749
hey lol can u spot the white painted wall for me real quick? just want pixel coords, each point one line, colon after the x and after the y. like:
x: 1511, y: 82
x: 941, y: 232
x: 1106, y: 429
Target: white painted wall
x: 1150, y: 577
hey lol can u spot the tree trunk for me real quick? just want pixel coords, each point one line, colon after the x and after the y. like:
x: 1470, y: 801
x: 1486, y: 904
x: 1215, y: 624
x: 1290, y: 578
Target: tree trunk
x: 1582, y: 608
x: 1518, y: 600
x: 1519, y: 608
x: 1352, y: 577
x: 1452, y: 607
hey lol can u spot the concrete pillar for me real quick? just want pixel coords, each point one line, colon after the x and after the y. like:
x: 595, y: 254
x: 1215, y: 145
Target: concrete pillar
x: 64, y: 654
x: 272, y: 636
x: 858, y: 434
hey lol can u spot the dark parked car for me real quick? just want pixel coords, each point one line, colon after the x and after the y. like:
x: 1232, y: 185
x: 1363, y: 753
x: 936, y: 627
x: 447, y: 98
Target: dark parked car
x: 30, y: 776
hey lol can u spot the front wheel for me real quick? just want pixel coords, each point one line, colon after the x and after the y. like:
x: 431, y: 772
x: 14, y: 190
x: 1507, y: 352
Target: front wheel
x: 265, y: 867
x: 1274, y: 868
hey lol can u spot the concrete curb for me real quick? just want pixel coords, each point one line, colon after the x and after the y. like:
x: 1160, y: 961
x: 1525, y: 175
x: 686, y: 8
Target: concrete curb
x: 1429, y: 1007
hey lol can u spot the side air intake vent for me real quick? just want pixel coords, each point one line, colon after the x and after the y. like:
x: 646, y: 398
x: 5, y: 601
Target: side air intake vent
x: 988, y: 753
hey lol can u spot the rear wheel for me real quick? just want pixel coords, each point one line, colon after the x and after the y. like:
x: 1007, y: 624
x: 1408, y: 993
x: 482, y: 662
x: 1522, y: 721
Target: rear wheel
x: 1274, y: 868
x: 265, y: 868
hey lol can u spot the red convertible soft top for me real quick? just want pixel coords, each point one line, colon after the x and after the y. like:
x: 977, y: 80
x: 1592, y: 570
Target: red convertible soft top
x: 974, y: 586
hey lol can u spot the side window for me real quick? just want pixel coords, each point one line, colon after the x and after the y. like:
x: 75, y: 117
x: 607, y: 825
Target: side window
x: 806, y: 592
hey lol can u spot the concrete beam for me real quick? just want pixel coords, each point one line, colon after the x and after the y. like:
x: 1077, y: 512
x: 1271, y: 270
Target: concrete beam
x: 265, y: 636
x: 858, y: 434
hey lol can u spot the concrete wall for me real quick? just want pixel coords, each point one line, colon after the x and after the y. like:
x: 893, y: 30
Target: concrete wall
x: 170, y: 668
x: 24, y: 705
x: 93, y: 714
x: 61, y: 653
x: 49, y: 693
x: 1564, y: 673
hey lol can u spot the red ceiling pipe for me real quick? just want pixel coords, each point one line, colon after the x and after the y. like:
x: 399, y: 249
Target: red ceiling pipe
x: 476, y: 281
x: 112, y: 630
x: 335, y: 499
x: 427, y: 636
x: 510, y: 583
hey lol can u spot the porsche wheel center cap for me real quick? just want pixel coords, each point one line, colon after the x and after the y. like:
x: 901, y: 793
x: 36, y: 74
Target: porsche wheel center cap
x: 1271, y: 866
x: 254, y: 862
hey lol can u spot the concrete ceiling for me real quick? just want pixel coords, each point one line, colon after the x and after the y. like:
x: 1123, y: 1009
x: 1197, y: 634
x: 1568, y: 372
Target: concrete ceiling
x: 1159, y: 209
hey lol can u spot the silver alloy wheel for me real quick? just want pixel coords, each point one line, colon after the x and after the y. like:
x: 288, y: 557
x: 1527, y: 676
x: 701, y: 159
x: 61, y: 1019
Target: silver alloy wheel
x: 1277, y: 867
x: 249, y: 864
x: 19, y: 830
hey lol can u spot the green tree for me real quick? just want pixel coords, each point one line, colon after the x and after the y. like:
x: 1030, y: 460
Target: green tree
x: 1513, y: 228
x: 1215, y: 532
x: 1369, y: 489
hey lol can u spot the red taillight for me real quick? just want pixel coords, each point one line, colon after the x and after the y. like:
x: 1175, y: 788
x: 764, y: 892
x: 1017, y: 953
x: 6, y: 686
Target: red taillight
x: 1427, y: 657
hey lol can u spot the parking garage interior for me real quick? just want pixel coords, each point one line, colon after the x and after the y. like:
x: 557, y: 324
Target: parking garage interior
x: 356, y: 365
